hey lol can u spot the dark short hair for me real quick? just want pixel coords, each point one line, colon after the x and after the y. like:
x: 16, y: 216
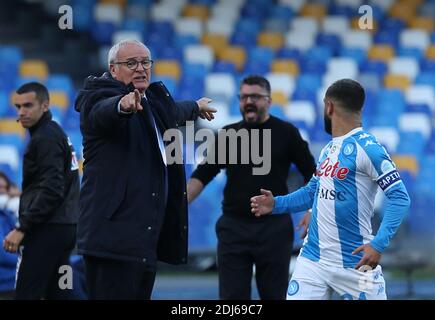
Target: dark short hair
x: 39, y: 89
x: 349, y: 93
x: 257, y: 80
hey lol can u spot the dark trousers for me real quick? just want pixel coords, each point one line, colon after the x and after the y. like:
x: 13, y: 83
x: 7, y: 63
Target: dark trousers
x: 44, y: 250
x: 109, y: 279
x: 242, y: 242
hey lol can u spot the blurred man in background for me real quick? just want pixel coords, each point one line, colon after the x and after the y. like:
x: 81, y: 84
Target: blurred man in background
x: 340, y: 253
x: 133, y: 204
x: 242, y: 240
x: 45, y: 235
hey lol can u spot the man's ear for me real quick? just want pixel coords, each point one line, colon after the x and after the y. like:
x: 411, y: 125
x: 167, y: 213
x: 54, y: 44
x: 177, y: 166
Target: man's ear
x: 329, y: 108
x: 112, y: 70
x: 45, y: 106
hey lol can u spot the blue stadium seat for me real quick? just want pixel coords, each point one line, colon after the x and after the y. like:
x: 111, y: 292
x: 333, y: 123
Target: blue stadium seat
x: 170, y: 53
x: 426, y: 77
x: 415, y: 53
x: 277, y: 111
x: 308, y: 82
x: 83, y: 19
x: 10, y: 54
x: 135, y: 24
x: 224, y: 66
x: 394, y: 25
x: 341, y: 10
x: 255, y: 10
x: 261, y: 55
x: 387, y: 37
x: 102, y: 32
x: 248, y: 27
x: 59, y: 82
x: 318, y: 54
x: 4, y: 103
x: 357, y: 54
x: 428, y: 65
x: 281, y: 12
x: 248, y: 41
x: 289, y: 53
x: 419, y: 107
x: 183, y: 40
x: 378, y: 67
x: 411, y: 143
x: 330, y: 41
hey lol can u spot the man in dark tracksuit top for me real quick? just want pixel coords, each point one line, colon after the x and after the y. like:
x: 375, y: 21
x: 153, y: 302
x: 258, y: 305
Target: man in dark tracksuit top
x: 133, y: 206
x: 243, y: 240
x: 48, y: 209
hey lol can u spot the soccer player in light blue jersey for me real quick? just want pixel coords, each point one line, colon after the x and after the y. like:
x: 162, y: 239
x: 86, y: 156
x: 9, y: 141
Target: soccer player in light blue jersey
x: 339, y: 252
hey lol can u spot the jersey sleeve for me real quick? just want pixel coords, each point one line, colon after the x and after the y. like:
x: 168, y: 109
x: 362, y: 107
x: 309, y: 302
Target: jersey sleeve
x: 381, y: 168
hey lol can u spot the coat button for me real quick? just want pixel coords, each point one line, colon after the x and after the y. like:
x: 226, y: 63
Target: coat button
x: 153, y: 194
x: 185, y: 193
x: 149, y: 228
x: 185, y: 227
x: 144, y: 260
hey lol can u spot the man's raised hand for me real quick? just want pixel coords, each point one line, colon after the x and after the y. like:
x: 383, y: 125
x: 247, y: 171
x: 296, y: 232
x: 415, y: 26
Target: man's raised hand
x: 131, y: 102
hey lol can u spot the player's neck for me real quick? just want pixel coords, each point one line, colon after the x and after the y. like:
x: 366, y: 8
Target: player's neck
x: 344, y: 125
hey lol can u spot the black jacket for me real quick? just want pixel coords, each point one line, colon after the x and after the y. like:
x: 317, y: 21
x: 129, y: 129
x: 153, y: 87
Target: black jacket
x: 123, y: 214
x: 50, y: 177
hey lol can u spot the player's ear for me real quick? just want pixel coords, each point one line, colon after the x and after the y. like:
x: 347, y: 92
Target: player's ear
x: 329, y: 105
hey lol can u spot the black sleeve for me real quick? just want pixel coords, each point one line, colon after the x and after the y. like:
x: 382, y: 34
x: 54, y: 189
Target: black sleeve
x: 104, y: 116
x: 301, y: 155
x: 50, y: 158
x: 186, y: 110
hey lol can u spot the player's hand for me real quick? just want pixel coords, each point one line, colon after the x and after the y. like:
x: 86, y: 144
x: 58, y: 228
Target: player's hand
x: 371, y: 257
x: 304, y: 223
x: 205, y: 111
x: 12, y: 241
x: 131, y: 102
x: 263, y: 204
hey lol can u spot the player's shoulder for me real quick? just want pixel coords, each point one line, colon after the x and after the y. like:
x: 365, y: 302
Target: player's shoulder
x: 368, y: 141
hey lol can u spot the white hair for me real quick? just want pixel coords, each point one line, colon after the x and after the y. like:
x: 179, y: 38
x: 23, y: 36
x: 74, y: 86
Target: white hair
x: 113, y: 52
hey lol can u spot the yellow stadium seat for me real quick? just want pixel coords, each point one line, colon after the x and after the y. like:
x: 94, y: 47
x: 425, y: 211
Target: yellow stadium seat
x: 196, y: 11
x: 234, y: 54
x: 424, y: 23
x: 355, y: 25
x: 381, y: 52
x: 34, y: 68
x: 397, y: 81
x: 167, y: 68
x: 279, y: 98
x: 403, y: 10
x: 406, y: 163
x: 317, y: 11
x: 12, y: 126
x: 216, y: 41
x: 59, y: 99
x: 430, y: 52
x: 273, y: 40
x: 285, y: 66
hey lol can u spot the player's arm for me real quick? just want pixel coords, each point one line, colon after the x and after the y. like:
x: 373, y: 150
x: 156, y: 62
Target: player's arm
x: 382, y: 169
x: 397, y: 205
x: 300, y: 200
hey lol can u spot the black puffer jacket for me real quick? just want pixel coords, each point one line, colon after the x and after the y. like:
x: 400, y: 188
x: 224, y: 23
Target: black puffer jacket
x: 50, y: 177
x: 123, y: 212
